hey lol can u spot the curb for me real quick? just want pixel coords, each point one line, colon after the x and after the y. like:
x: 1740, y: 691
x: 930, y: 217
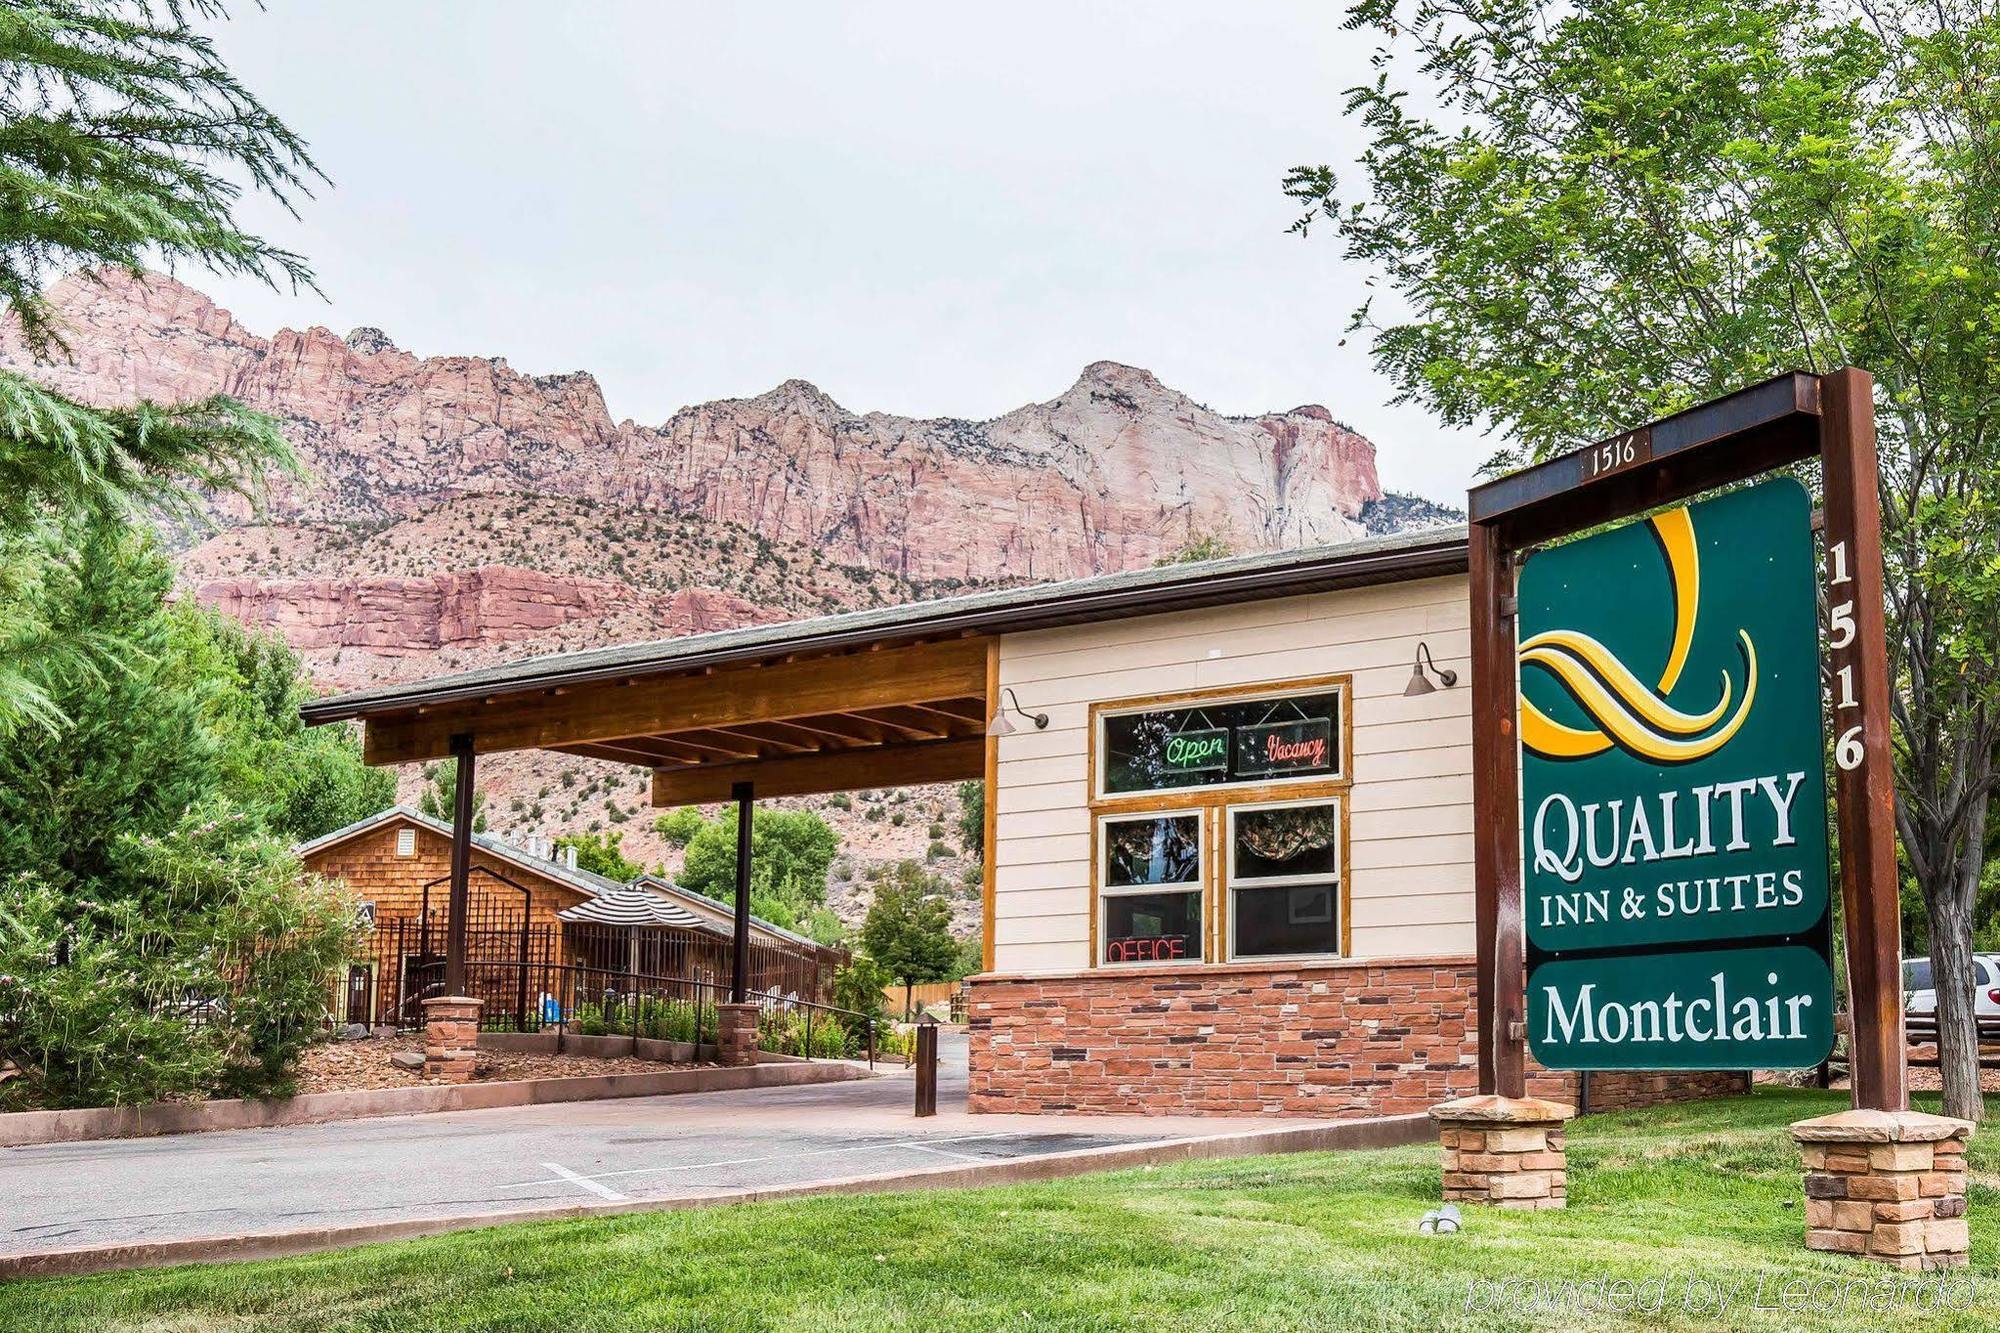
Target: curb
x: 1380, y: 1132
x: 23, y: 1129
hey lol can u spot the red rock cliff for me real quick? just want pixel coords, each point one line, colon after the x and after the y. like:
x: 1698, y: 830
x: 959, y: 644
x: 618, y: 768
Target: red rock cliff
x: 1116, y: 471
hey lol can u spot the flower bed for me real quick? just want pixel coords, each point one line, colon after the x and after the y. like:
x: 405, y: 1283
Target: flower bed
x: 346, y: 1066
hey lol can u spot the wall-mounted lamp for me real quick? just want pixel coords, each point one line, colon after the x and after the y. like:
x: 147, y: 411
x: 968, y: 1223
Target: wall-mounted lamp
x: 1421, y: 683
x: 1002, y: 725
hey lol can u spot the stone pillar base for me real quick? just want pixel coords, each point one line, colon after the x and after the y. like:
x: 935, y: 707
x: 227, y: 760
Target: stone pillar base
x: 1504, y: 1151
x: 736, y: 1028
x: 451, y: 1037
x: 1887, y: 1186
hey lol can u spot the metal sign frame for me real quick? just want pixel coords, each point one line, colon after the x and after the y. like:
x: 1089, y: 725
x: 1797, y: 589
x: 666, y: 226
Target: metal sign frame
x: 1757, y: 430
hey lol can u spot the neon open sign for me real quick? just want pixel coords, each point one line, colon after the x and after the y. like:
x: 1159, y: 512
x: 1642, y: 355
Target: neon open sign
x: 1202, y: 751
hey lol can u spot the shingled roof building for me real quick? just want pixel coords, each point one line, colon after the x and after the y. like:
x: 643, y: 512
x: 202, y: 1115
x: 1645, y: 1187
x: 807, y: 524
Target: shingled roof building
x: 529, y: 917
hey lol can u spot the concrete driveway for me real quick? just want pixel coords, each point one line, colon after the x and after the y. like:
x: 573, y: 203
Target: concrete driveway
x: 464, y: 1164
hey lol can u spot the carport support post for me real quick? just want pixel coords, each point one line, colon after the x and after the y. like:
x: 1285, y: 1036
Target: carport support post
x: 451, y: 1020
x: 744, y: 794
x: 736, y: 1021
x: 461, y: 866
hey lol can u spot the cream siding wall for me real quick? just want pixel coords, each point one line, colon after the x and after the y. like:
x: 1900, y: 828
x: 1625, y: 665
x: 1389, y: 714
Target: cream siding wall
x: 1410, y: 824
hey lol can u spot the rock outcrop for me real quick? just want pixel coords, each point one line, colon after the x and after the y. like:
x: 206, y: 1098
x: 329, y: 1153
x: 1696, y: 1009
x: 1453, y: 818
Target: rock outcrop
x: 490, y: 605
x: 459, y: 511
x: 1116, y: 471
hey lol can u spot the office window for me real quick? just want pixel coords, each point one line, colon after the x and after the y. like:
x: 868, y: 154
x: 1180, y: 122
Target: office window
x: 1283, y: 889
x: 1150, y: 895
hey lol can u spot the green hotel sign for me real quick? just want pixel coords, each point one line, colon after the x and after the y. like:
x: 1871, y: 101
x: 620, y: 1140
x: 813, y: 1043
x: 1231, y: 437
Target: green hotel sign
x: 1675, y: 878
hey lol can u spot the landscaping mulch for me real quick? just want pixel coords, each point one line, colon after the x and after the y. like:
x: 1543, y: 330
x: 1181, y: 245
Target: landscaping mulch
x: 1924, y: 1077
x: 351, y: 1066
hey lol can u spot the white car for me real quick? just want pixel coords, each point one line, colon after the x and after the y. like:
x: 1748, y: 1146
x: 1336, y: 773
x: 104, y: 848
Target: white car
x: 1920, y: 998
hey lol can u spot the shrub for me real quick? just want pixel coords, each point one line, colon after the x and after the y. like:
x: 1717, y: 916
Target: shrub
x: 803, y: 1032
x: 212, y: 985
x: 590, y: 1019
x: 670, y: 1020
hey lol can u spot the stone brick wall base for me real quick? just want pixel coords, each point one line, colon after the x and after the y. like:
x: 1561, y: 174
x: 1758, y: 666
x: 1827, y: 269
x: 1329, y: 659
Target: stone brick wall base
x: 451, y: 1038
x: 1887, y: 1186
x: 1337, y: 1039
x: 737, y: 1025
x: 1505, y: 1151
x: 1334, y: 1040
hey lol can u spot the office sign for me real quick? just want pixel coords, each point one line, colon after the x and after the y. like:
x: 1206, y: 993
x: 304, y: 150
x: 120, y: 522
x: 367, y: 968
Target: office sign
x: 1673, y: 793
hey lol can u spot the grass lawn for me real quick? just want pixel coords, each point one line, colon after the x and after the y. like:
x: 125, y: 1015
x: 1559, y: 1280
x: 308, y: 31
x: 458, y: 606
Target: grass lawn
x: 1325, y: 1240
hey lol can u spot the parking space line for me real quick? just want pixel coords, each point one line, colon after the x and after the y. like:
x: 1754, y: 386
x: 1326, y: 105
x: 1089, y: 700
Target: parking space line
x: 942, y: 1152
x: 584, y: 1182
x: 748, y: 1161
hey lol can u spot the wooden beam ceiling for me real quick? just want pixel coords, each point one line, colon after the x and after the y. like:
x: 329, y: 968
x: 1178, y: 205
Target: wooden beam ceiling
x: 885, y: 687
x: 835, y: 770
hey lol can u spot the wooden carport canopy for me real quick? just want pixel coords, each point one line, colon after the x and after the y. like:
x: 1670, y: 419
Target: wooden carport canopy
x: 895, y: 697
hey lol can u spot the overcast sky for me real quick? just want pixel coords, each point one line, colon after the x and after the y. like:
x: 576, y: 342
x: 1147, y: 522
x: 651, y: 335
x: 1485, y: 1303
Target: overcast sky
x: 919, y: 208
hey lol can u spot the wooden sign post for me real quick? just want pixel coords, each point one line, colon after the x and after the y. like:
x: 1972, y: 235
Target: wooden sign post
x: 1732, y: 439
x: 1765, y: 905
x: 1864, y: 774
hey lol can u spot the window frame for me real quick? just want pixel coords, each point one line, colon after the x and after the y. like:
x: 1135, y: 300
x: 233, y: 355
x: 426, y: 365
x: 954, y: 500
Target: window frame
x: 1341, y: 687
x: 1232, y: 884
x: 1100, y: 856
x: 1213, y: 802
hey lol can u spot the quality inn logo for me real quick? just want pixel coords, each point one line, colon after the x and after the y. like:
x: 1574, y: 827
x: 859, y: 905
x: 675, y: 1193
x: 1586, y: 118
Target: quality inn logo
x: 1629, y: 714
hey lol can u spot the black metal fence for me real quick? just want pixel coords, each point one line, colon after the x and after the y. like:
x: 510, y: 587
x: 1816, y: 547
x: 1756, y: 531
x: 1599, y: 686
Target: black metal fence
x: 802, y: 970
x: 505, y: 968
x: 576, y: 999
x: 523, y: 970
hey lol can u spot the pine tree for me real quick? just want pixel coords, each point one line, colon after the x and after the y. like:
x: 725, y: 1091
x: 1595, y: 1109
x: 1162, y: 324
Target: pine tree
x: 159, y: 936
x: 123, y: 140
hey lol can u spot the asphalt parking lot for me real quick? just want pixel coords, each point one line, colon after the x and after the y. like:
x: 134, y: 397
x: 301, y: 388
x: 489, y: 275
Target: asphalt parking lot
x: 127, y: 1191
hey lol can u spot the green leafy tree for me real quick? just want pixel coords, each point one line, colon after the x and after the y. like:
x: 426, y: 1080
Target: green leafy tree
x: 790, y: 854
x: 971, y: 956
x: 862, y: 986
x: 972, y: 816
x: 227, y: 984
x: 136, y: 746
x: 439, y: 797
x: 599, y: 854
x: 158, y: 938
x: 821, y: 926
x: 307, y: 781
x: 123, y: 140
x: 908, y: 928
x: 1599, y: 213
x: 678, y: 826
